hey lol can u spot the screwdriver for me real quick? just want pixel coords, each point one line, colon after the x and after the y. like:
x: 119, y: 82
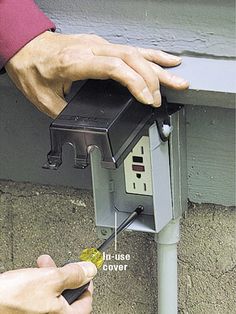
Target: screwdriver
x: 95, y: 255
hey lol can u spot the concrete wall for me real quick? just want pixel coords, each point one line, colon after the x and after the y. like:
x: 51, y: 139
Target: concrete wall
x: 37, y: 219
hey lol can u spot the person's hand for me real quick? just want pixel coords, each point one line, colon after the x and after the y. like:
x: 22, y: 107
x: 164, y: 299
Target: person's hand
x: 46, y: 67
x: 38, y: 290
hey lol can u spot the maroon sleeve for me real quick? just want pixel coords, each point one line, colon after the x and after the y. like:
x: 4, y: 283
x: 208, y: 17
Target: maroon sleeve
x: 20, y: 22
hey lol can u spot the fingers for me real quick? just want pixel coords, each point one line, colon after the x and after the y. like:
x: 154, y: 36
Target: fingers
x: 135, y: 68
x: 85, y: 301
x: 135, y: 61
x: 160, y: 57
x: 90, y: 287
x: 113, y: 68
x: 168, y: 79
x: 75, y: 275
x: 45, y: 261
x: 84, y: 304
x: 71, y: 276
x: 67, y: 87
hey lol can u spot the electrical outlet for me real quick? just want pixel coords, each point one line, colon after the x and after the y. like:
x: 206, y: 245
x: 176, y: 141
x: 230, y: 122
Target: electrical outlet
x: 137, y: 167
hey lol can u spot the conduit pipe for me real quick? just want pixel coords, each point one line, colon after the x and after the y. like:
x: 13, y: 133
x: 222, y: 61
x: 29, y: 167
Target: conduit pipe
x: 167, y: 240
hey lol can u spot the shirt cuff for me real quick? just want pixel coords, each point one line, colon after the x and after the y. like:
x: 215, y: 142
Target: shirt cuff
x: 20, y: 22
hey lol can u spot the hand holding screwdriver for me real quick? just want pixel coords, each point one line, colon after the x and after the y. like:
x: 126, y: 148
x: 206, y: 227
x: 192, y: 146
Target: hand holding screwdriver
x: 95, y: 255
x: 38, y: 290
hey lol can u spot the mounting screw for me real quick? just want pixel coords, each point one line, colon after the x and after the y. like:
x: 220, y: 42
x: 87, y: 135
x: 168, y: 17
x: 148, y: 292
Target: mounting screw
x: 104, y: 232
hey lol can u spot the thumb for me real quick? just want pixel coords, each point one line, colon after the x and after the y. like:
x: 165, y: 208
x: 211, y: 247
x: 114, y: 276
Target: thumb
x: 55, y: 105
x: 76, y: 275
x: 45, y: 261
x: 49, y: 102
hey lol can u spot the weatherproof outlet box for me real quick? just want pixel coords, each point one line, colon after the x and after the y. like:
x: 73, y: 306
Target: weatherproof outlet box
x: 169, y: 190
x: 103, y: 123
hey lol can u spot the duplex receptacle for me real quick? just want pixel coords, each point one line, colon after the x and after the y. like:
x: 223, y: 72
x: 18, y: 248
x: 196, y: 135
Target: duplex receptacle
x: 137, y: 168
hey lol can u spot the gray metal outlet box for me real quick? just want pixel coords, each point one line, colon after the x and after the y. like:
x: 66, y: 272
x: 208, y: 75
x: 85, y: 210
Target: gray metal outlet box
x: 169, y: 199
x: 103, y: 122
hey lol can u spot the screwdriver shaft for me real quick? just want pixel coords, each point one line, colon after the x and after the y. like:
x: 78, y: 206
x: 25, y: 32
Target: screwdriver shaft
x: 122, y: 226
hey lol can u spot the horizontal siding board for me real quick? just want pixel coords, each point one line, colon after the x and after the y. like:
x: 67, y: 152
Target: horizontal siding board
x: 211, y: 155
x: 181, y: 26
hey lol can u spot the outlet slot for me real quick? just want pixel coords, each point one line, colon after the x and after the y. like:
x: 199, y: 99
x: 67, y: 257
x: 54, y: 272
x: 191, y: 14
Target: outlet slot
x: 138, y: 178
x: 138, y: 159
x: 138, y: 168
